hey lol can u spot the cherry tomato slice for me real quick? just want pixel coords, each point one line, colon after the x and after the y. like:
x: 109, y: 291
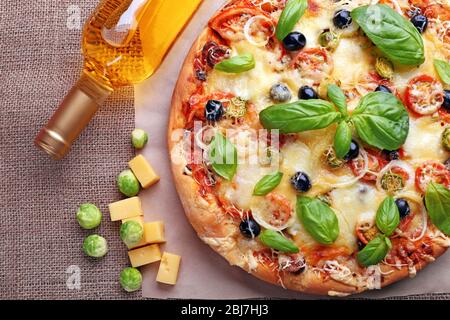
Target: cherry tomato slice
x: 229, y: 23
x: 432, y: 171
x: 313, y: 63
x: 424, y: 95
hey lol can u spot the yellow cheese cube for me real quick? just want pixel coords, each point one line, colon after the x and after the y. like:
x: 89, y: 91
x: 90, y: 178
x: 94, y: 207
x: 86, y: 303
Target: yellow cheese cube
x: 145, y: 255
x: 168, y: 268
x: 143, y: 242
x: 154, y: 232
x: 124, y: 209
x: 143, y: 171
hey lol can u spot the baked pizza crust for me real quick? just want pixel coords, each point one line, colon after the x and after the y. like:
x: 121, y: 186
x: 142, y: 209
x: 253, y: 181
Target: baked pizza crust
x: 210, y: 222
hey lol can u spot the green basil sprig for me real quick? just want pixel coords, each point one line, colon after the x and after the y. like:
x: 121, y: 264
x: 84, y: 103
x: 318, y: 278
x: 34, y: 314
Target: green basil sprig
x: 318, y: 218
x: 267, y: 184
x: 381, y: 121
x: 443, y: 69
x: 291, y: 14
x: 277, y: 241
x: 299, y: 116
x: 375, y: 251
x: 223, y: 155
x: 394, y: 35
x: 437, y: 200
x: 237, y: 64
x: 337, y: 96
x: 388, y: 216
x: 342, y: 139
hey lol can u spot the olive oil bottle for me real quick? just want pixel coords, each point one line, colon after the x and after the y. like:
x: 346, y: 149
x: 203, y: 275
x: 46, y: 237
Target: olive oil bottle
x: 124, y: 42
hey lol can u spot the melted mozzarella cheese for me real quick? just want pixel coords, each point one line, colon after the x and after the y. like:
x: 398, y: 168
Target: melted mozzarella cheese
x: 253, y: 85
x: 424, y: 140
x: 350, y: 205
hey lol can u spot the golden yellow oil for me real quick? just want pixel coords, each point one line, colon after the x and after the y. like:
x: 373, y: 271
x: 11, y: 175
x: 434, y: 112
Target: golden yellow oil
x: 124, y: 41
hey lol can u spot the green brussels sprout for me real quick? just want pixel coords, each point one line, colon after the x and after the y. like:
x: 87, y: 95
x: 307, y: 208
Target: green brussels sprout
x: 446, y: 139
x: 130, y: 279
x: 328, y: 39
x: 139, y: 138
x: 331, y: 159
x: 237, y: 108
x: 95, y: 246
x: 131, y: 232
x: 384, y: 68
x: 127, y: 183
x: 89, y: 216
x: 392, y: 182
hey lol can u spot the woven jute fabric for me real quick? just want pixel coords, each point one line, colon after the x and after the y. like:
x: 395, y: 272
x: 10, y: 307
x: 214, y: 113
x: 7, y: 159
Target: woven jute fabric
x: 40, y: 239
x: 40, y: 59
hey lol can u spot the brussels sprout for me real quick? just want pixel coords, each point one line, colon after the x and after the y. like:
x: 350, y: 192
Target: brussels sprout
x: 131, y: 232
x: 89, y: 216
x: 446, y: 139
x: 95, y: 246
x: 331, y: 159
x: 127, y: 183
x: 130, y: 279
x: 384, y: 68
x: 237, y: 108
x: 392, y: 182
x: 139, y: 138
x: 328, y: 39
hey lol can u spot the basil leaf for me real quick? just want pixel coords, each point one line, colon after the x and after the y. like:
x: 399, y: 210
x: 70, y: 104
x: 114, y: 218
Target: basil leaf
x: 437, y: 200
x: 291, y: 14
x: 342, y: 139
x: 299, y: 116
x: 443, y: 69
x: 381, y: 121
x: 223, y: 155
x: 318, y: 219
x: 388, y: 216
x: 236, y: 64
x: 337, y: 96
x: 375, y: 251
x: 267, y: 184
x: 277, y: 241
x: 394, y: 35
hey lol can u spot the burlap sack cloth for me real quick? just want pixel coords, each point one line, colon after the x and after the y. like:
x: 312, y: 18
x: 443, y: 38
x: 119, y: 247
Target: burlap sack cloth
x: 39, y: 238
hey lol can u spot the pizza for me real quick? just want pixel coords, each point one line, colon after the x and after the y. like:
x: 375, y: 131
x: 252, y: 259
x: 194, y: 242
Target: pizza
x: 310, y: 140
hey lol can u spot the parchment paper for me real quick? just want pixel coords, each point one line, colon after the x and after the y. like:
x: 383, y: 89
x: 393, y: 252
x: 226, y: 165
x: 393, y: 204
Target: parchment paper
x: 205, y: 274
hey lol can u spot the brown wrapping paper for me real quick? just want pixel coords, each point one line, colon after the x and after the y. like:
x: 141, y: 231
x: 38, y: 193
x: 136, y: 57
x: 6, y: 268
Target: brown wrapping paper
x: 204, y: 274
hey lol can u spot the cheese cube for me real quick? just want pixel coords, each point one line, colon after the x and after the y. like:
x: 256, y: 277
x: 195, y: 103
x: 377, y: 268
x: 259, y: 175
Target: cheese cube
x: 154, y: 232
x: 124, y: 209
x: 168, y: 268
x: 143, y: 171
x: 145, y: 255
x: 143, y: 242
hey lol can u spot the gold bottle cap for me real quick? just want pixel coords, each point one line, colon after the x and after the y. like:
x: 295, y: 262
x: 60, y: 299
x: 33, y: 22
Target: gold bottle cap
x: 71, y: 117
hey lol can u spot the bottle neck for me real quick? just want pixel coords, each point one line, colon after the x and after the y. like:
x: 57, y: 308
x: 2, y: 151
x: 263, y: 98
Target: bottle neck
x: 72, y: 116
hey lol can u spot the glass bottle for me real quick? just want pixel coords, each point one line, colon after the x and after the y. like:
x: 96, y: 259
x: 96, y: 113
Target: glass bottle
x: 124, y: 42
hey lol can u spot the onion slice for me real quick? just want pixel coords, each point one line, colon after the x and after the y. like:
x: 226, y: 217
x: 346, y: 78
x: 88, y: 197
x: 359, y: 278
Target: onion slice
x: 248, y: 26
x: 352, y: 181
x: 259, y: 218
